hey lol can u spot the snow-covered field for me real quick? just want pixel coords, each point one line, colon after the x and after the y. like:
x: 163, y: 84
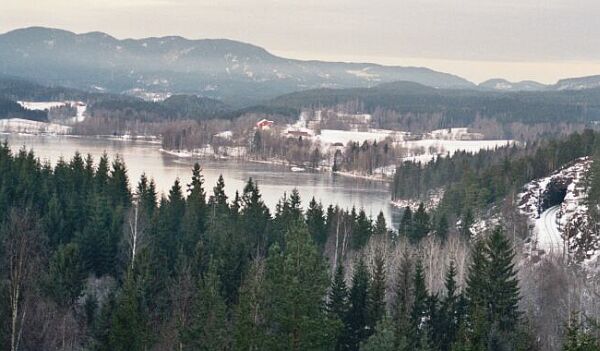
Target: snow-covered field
x: 426, y: 149
x: 331, y: 136
x: 41, y: 105
x: 25, y: 126
x: 47, y: 105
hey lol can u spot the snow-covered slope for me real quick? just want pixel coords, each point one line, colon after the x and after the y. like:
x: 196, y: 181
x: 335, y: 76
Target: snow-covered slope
x: 25, y: 126
x: 553, y: 223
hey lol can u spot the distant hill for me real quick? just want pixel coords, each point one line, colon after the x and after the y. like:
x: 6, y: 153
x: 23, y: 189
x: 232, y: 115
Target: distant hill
x: 580, y: 83
x: 457, y: 107
x: 232, y: 71
x: 505, y: 85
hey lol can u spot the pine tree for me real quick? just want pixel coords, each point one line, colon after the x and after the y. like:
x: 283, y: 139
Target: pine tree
x: 442, y: 227
x: 380, y: 225
x: 208, y: 329
x: 406, y: 223
x: 404, y: 330
x: 361, y: 231
x: 128, y: 329
x: 296, y: 284
x: 315, y: 221
x: 377, y: 305
x: 418, y: 313
x: 382, y: 339
x: 66, y: 275
x: 503, y: 294
x: 357, y: 318
x: 250, y: 328
x: 450, y: 312
x: 476, y: 327
x: 196, y: 213
x: 421, y: 225
x: 337, y: 303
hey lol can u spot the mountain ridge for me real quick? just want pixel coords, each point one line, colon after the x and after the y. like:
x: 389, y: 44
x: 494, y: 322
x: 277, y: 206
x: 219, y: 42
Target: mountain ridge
x: 217, y: 68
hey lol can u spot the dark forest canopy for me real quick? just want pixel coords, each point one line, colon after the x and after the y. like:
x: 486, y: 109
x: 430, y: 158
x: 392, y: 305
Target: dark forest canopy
x: 193, y: 269
x: 11, y: 109
x: 459, y: 107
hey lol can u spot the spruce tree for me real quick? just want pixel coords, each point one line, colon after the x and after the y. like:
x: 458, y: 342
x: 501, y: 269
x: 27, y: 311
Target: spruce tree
x: 208, y: 330
x: 296, y: 284
x: 450, y: 311
x: 250, y: 324
x: 315, y: 221
x: 128, y: 331
x: 196, y: 213
x: 503, y: 294
x: 404, y: 330
x: 382, y: 339
x: 406, y: 223
x: 418, y: 315
x: 377, y: 305
x: 380, y: 225
x: 357, y: 318
x: 421, y: 225
x: 362, y: 230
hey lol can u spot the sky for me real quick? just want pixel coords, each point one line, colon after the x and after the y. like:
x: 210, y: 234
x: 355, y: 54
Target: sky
x: 542, y: 40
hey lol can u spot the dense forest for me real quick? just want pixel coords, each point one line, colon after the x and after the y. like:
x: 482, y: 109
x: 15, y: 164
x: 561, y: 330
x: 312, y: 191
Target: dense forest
x: 90, y: 264
x: 472, y: 182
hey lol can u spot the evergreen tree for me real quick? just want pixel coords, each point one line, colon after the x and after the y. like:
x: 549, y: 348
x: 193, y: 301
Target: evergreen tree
x: 128, y: 329
x: 450, y: 311
x: 194, y: 220
x: 208, y: 330
x: 404, y: 330
x: 380, y: 225
x: 337, y: 303
x: 503, y: 293
x: 66, y: 275
x: 418, y: 313
x: 250, y: 323
x: 315, y: 221
x: 296, y: 284
x: 406, y: 223
x: 382, y: 339
x: 377, y: 305
x: 421, y: 224
x: 361, y: 231
x: 357, y: 318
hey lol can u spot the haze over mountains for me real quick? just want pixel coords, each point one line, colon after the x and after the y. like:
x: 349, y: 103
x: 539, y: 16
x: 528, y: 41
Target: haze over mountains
x: 235, y: 72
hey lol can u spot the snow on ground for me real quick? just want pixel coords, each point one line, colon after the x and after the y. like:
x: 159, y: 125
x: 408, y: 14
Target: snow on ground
x: 208, y: 151
x: 431, y: 202
x: 47, y: 105
x: 41, y: 105
x: 331, y: 136
x: 427, y: 149
x: 25, y: 126
x: 548, y: 227
x: 453, y: 134
x: 363, y: 73
x: 547, y: 234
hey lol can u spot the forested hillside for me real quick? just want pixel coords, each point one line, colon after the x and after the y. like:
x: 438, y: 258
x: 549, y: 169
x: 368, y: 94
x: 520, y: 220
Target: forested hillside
x: 414, y: 107
x: 90, y: 263
x: 11, y: 109
x: 473, y: 182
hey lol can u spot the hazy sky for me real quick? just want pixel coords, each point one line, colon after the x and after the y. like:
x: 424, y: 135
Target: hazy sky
x: 477, y: 39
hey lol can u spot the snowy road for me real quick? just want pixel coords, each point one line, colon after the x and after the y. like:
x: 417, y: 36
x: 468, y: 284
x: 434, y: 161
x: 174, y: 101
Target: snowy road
x: 548, y: 235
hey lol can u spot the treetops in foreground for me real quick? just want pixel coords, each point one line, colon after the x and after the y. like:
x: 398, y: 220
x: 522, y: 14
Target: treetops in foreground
x: 100, y: 267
